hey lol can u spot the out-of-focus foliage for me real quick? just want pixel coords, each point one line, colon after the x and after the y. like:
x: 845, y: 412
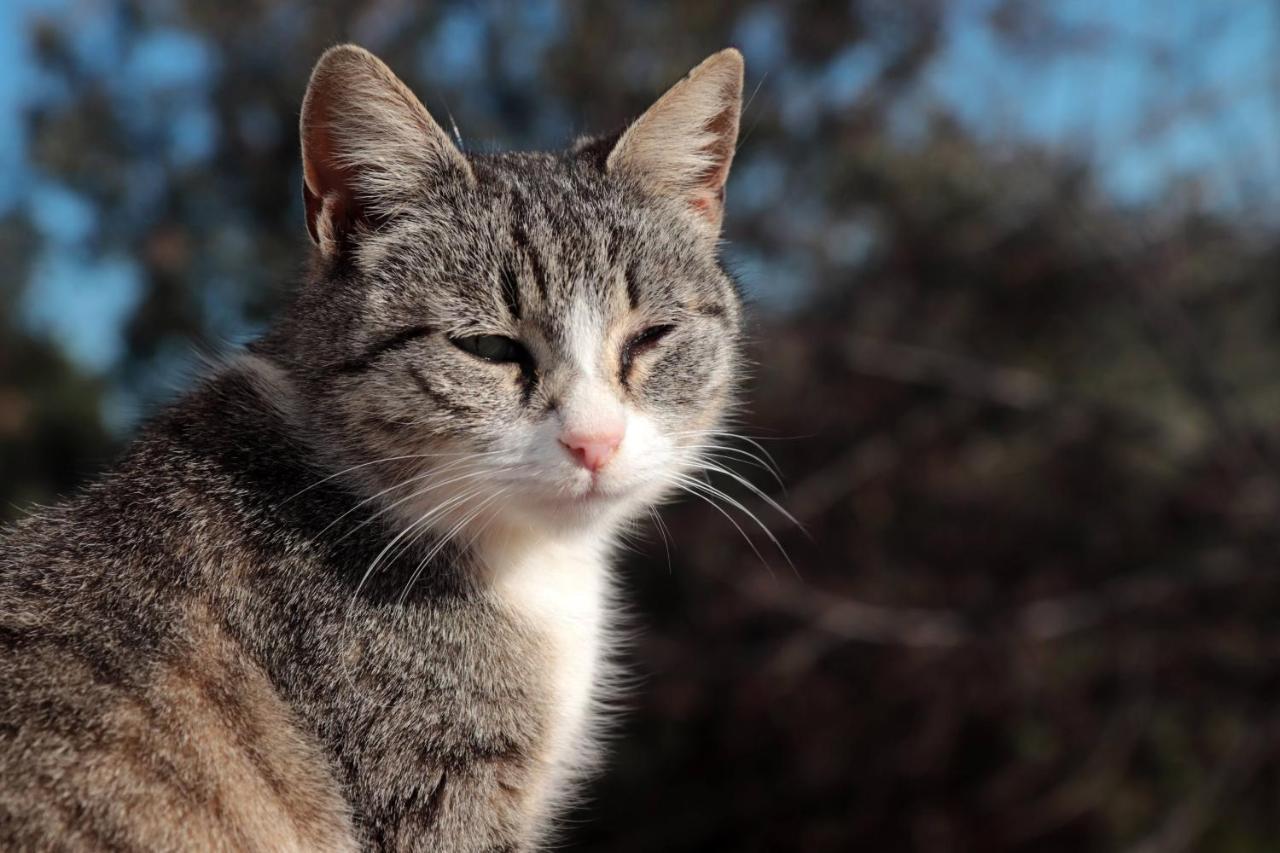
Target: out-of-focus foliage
x: 1029, y: 423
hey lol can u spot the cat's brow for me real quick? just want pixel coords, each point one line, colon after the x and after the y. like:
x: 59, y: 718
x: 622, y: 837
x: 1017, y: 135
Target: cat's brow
x: 613, y: 247
x: 511, y: 291
x: 633, y: 286
x: 366, y: 359
x: 520, y: 236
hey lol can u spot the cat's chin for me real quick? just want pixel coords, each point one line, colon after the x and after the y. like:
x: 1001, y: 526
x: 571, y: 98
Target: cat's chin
x: 575, y: 511
x: 588, y: 504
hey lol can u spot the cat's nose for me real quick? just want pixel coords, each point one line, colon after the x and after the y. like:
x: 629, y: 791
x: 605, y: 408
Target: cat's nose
x: 592, y: 450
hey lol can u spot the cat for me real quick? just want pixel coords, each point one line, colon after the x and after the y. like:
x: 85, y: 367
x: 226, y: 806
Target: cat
x: 353, y: 591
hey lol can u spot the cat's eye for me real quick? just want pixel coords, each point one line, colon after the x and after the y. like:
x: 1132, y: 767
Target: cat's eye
x: 495, y: 348
x: 641, y: 343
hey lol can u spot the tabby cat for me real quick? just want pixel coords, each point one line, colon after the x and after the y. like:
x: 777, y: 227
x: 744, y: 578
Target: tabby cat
x: 353, y: 591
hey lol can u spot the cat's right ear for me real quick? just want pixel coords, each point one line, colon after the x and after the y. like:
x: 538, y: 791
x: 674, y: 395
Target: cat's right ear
x: 367, y: 144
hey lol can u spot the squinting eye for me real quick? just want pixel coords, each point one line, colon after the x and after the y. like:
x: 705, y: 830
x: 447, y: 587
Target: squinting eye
x: 493, y: 348
x: 646, y: 340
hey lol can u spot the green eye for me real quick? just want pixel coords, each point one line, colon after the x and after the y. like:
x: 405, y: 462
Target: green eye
x: 493, y: 348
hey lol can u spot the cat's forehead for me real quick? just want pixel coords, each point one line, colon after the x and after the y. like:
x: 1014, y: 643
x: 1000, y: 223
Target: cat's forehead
x: 541, y: 236
x: 538, y: 201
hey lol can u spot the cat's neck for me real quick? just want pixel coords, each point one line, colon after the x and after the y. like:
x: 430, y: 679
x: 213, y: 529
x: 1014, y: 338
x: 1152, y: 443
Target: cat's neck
x: 559, y: 587
x: 504, y: 548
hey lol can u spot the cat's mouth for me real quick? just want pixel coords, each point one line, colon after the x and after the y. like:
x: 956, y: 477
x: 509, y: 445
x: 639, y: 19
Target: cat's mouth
x: 573, y: 505
x: 594, y: 492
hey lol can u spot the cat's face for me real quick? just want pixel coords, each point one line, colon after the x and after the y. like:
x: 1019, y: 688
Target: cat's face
x: 534, y: 340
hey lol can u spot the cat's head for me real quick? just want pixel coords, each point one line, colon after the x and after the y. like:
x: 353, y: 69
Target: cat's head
x: 531, y: 339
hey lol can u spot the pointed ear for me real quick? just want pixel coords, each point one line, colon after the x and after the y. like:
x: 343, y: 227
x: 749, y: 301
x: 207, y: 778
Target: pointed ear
x: 367, y: 145
x: 683, y: 145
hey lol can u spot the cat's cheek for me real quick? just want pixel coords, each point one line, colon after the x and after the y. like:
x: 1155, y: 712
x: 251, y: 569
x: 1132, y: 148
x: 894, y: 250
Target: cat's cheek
x: 680, y: 379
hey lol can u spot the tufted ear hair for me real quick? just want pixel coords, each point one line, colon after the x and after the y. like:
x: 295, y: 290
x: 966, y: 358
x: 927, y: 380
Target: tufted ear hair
x: 367, y: 144
x: 683, y: 145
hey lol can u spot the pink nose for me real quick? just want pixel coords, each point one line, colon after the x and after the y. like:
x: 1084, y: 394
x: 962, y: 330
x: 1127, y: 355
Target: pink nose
x: 592, y: 451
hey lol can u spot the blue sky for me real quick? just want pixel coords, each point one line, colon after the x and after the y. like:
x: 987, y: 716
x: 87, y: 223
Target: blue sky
x: 1220, y: 56
x: 1104, y: 104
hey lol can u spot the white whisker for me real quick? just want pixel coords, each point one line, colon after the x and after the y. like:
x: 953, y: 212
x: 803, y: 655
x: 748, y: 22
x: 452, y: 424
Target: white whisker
x: 736, y: 504
x: 774, y: 505
x: 445, y: 540
x: 664, y: 532
x: 414, y: 479
x: 382, y: 461
x: 698, y: 494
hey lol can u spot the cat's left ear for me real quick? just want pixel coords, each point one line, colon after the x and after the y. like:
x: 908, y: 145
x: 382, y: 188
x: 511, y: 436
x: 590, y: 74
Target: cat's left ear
x: 683, y: 145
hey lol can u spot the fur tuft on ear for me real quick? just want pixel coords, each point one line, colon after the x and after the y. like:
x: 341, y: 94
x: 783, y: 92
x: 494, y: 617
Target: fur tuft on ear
x: 683, y: 145
x: 367, y: 143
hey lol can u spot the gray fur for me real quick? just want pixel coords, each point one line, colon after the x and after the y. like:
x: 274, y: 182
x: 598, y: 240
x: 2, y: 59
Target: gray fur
x: 193, y: 651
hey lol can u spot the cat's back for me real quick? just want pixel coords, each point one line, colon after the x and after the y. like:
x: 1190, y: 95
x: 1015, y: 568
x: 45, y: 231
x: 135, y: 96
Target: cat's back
x: 129, y: 719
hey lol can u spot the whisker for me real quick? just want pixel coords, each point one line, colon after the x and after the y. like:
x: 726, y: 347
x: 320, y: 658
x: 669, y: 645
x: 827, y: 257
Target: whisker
x: 429, y: 488
x: 436, y: 512
x: 664, y: 532
x: 414, y: 479
x: 382, y: 461
x: 736, y: 436
x: 751, y: 458
x: 750, y: 543
x: 774, y: 505
x: 736, y: 504
x: 424, y: 519
x: 444, y: 540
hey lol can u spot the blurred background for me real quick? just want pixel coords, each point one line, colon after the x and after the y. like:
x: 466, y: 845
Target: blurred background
x: 1016, y: 330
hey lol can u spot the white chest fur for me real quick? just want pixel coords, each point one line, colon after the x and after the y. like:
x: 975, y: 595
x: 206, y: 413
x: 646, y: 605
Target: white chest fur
x: 561, y: 590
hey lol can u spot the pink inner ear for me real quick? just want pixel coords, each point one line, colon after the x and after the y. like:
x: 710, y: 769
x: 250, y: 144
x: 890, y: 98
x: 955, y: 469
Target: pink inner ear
x: 709, y: 201
x: 315, y: 209
x: 710, y: 206
x: 326, y: 187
